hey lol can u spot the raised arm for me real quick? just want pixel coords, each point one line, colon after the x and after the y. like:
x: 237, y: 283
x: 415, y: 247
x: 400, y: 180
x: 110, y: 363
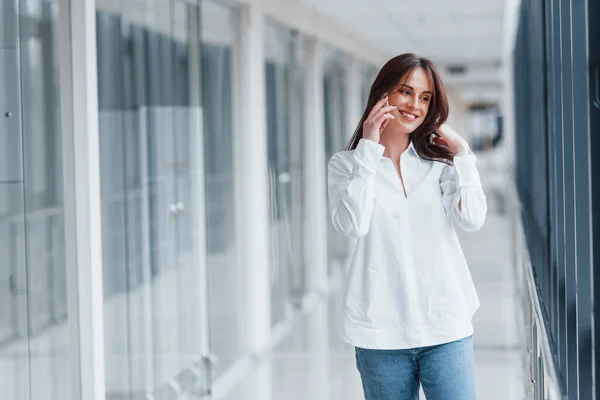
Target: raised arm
x: 462, y: 195
x: 351, y: 187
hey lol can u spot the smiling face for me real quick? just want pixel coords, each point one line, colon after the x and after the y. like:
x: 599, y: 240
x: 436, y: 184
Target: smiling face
x: 412, y: 96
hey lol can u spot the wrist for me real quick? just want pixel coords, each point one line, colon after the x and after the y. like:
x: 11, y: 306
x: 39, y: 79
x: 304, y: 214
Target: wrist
x: 371, y: 139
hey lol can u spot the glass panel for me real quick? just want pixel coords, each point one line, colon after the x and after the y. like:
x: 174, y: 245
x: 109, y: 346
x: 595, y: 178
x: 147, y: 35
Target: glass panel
x: 10, y: 116
x: 190, y: 192
x: 285, y: 68
x: 113, y: 205
x: 224, y: 272
x: 149, y: 124
x: 14, y: 353
x: 46, y: 274
x: 278, y: 185
x: 163, y: 200
x: 9, y: 30
x: 296, y: 101
x: 335, y: 140
x: 137, y: 273
x: 278, y: 42
x: 368, y: 75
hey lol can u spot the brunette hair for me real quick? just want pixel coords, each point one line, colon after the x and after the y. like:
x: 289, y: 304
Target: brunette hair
x: 396, y: 71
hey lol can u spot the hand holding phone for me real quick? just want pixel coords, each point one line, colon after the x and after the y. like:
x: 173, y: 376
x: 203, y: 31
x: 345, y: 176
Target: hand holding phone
x: 377, y: 120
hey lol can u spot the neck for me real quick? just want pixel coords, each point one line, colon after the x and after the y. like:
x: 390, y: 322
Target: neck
x: 395, y: 143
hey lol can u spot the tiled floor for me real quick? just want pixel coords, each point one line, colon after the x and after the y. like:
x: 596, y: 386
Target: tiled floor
x: 313, y: 362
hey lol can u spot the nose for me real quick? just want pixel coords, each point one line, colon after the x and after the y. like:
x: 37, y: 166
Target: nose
x: 413, y: 102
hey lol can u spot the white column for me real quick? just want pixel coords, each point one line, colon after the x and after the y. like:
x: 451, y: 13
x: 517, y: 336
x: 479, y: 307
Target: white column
x: 81, y: 169
x: 353, y: 99
x: 251, y: 167
x: 511, y: 23
x: 315, y: 174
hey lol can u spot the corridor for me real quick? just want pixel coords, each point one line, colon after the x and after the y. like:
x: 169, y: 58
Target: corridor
x: 164, y: 225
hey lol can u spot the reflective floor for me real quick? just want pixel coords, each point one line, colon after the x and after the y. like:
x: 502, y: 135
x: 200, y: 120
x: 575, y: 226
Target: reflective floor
x: 312, y: 362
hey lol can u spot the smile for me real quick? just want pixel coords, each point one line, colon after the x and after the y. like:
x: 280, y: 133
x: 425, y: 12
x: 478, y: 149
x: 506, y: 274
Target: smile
x: 408, y: 116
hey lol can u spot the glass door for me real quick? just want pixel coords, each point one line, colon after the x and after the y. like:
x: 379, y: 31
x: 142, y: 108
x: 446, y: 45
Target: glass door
x: 179, y: 312
x: 226, y: 273
x: 277, y: 75
x: 152, y: 199
x: 297, y: 101
x: 192, y: 299
x: 34, y: 334
x: 14, y: 352
x: 285, y: 90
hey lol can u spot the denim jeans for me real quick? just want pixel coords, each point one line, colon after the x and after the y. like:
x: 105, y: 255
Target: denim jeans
x: 446, y: 372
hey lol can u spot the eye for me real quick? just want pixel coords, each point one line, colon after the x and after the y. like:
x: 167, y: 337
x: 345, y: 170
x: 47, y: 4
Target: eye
x: 425, y: 99
x: 405, y: 91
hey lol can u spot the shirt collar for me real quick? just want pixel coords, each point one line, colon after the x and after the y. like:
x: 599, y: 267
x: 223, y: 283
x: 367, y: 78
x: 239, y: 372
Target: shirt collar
x: 411, y: 147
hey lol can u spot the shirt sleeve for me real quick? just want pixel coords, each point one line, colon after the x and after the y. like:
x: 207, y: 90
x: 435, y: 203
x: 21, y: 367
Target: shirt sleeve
x: 461, y: 183
x: 351, y: 186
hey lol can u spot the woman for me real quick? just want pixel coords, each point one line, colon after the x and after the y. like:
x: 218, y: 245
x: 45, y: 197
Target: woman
x: 406, y: 180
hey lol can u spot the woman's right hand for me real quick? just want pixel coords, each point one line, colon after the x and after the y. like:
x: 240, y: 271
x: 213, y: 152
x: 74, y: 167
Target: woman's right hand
x: 377, y: 120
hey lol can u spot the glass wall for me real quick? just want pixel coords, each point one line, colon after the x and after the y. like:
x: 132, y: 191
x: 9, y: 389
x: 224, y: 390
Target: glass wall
x: 368, y: 75
x: 557, y: 114
x: 484, y: 126
x: 284, y: 74
x: 337, y: 135
x: 149, y: 116
x: 225, y: 272
x: 297, y: 102
x: 34, y: 337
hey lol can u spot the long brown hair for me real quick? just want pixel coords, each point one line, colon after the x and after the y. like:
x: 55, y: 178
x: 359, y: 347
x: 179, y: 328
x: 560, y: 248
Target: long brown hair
x: 391, y: 74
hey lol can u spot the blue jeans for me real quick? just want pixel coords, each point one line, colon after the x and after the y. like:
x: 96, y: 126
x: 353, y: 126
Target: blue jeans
x: 446, y: 372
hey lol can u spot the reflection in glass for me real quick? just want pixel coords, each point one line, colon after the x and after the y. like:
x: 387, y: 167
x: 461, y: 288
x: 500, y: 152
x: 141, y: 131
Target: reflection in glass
x: 368, y: 75
x: 336, y: 132
x: 224, y: 271
x: 34, y: 339
x: 297, y: 102
x: 14, y: 352
x: 277, y: 73
x: 149, y: 116
x: 284, y: 75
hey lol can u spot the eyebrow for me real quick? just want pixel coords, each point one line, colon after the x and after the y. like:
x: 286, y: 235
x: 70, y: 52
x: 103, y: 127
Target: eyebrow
x: 412, y: 88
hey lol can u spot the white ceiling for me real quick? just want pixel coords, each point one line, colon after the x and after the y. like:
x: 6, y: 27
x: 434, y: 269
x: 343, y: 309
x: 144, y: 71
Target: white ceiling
x: 468, y: 32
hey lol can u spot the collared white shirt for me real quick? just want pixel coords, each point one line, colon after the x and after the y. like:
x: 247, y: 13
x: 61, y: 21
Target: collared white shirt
x: 409, y: 284
x: 410, y: 161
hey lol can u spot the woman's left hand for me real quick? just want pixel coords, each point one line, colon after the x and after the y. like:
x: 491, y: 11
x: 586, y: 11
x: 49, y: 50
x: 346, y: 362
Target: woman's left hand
x: 450, y: 138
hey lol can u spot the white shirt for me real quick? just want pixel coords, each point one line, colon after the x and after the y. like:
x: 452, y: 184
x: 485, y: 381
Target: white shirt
x: 409, y: 284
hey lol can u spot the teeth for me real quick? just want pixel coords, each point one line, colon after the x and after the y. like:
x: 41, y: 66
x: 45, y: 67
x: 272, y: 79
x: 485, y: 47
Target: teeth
x: 409, y: 116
